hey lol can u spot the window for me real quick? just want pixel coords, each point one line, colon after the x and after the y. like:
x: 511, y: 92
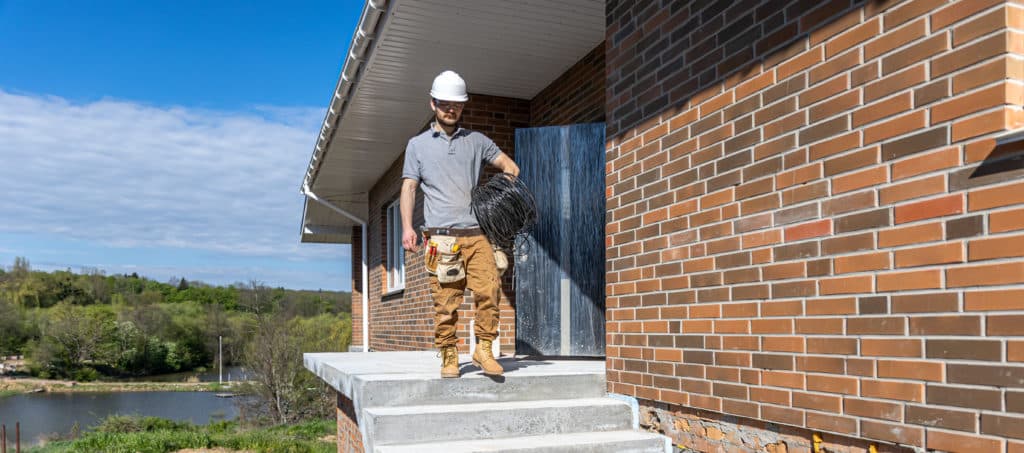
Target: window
x: 395, y: 252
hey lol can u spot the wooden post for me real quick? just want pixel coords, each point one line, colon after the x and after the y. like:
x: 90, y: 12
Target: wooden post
x: 3, y: 438
x: 17, y: 437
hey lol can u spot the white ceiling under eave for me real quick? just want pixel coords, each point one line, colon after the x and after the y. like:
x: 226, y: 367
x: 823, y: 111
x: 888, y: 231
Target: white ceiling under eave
x: 501, y: 47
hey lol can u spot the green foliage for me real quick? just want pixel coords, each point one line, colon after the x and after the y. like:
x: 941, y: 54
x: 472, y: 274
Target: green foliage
x: 84, y: 325
x: 154, y: 435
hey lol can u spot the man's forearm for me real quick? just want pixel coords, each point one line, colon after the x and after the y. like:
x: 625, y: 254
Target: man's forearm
x: 407, y: 200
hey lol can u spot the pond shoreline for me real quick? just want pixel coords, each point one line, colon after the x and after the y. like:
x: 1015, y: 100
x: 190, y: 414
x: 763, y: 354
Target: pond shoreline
x: 16, y: 386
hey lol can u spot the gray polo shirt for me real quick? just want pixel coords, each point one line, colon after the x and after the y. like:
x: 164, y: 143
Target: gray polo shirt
x: 447, y: 169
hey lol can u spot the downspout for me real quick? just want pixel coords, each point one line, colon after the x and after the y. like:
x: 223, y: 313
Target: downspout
x: 365, y: 281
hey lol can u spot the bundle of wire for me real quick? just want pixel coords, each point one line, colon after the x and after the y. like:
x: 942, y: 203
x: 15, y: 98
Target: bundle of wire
x: 505, y: 209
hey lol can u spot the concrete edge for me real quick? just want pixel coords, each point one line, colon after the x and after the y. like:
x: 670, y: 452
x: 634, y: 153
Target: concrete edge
x: 634, y: 407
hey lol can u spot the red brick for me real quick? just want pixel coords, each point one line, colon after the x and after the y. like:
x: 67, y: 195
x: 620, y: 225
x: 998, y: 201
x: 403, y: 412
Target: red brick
x: 926, y: 163
x: 999, y: 247
x: 897, y: 126
x: 910, y: 235
x: 927, y: 209
x: 846, y: 285
x: 861, y: 263
x: 861, y: 179
x: 978, y: 125
x: 969, y: 103
x: 903, y: 281
x: 809, y: 230
x: 932, y: 254
x: 891, y: 348
x: 1008, y: 299
x: 913, y: 189
x: 884, y: 42
x: 1003, y: 221
x: 947, y: 441
x: 985, y: 275
x: 911, y: 369
x: 994, y: 197
x: 893, y: 390
x: 883, y: 109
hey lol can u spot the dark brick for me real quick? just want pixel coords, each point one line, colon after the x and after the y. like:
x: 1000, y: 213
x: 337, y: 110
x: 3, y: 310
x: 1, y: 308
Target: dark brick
x: 873, y: 305
x: 763, y: 168
x: 733, y: 391
x: 916, y: 143
x: 965, y: 227
x: 990, y: 350
x: 946, y: 395
x: 1002, y: 425
x: 703, y: 357
x: 863, y: 221
x: 796, y: 214
x: 822, y: 130
x: 923, y: 303
x: 990, y: 375
x: 660, y: 341
x: 846, y: 244
x: 818, y: 268
x: 732, y: 260
x: 1015, y: 402
x: 931, y: 92
x: 989, y: 172
x: 875, y: 326
x: 772, y: 361
x: 942, y: 418
x: 689, y: 341
x: 796, y: 251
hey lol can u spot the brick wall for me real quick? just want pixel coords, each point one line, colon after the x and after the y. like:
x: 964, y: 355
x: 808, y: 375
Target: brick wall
x: 577, y: 96
x: 405, y: 320
x: 809, y: 223
x: 357, y: 287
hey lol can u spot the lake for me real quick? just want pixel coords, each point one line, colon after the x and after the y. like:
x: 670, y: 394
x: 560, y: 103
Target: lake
x: 45, y: 414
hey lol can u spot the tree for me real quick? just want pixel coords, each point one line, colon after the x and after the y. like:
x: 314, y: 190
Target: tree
x: 286, y: 391
x: 182, y: 284
x: 72, y: 336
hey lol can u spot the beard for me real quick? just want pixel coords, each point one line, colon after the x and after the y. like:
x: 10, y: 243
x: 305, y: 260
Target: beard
x: 447, y: 120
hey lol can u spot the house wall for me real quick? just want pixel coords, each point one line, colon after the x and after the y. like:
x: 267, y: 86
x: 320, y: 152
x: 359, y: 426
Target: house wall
x: 577, y: 96
x: 810, y: 227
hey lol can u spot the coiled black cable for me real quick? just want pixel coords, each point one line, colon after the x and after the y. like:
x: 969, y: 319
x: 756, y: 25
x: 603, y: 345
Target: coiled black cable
x: 504, y: 208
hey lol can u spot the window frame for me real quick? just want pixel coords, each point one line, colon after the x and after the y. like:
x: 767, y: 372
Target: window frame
x: 394, y: 253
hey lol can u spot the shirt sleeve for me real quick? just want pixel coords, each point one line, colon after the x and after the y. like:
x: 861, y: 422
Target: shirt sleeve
x: 411, y: 167
x: 490, y: 150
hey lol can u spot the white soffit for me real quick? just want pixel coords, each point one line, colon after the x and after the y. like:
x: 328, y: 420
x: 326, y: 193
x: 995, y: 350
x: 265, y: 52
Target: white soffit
x: 501, y: 47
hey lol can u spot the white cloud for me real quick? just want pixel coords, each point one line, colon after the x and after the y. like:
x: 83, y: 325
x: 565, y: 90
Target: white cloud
x: 128, y: 175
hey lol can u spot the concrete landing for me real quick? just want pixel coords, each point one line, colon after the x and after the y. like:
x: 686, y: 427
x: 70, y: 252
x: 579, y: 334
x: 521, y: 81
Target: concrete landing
x: 401, y: 403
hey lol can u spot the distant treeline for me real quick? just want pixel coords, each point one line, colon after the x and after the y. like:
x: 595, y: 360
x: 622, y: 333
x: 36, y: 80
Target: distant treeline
x: 88, y: 324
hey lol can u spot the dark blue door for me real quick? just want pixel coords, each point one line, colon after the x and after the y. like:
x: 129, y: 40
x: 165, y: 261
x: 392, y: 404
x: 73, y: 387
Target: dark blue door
x: 560, y: 266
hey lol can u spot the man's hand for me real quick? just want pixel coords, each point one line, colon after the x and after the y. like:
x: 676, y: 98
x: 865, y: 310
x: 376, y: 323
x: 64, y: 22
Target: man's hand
x: 409, y: 240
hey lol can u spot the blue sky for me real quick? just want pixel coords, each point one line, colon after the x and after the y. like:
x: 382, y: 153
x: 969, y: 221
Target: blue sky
x: 167, y: 138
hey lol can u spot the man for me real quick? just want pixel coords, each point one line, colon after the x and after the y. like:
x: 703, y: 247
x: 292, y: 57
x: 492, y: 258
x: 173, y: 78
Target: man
x: 446, y: 160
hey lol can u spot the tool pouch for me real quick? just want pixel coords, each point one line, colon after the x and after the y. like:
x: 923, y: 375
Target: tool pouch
x: 501, y: 261
x: 449, y: 266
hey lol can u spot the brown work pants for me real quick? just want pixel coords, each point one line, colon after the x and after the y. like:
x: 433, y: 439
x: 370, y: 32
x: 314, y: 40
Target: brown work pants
x: 482, y: 278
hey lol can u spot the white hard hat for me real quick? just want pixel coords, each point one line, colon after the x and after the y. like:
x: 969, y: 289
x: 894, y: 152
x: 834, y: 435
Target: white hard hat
x: 448, y: 86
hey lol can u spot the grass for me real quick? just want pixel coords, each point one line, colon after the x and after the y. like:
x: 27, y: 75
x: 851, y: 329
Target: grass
x: 122, y: 434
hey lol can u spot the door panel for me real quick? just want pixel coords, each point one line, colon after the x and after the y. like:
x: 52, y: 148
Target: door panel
x: 560, y: 265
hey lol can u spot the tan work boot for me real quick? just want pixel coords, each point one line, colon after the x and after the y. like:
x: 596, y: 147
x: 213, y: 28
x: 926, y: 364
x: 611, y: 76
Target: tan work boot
x: 449, y: 362
x: 483, y: 359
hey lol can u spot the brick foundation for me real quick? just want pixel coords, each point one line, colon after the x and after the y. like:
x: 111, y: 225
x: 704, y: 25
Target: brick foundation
x: 350, y: 440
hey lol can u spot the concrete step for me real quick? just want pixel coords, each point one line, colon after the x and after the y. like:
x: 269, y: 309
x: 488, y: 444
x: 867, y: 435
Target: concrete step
x: 395, y: 390
x: 450, y: 422
x: 586, y: 442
